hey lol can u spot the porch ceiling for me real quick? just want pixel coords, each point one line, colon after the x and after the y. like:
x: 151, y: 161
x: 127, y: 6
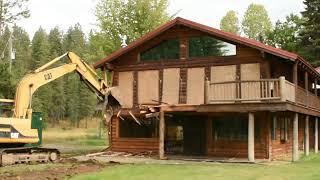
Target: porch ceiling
x: 241, y: 107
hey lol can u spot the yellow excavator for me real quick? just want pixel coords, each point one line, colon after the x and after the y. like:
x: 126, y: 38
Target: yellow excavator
x: 21, y: 131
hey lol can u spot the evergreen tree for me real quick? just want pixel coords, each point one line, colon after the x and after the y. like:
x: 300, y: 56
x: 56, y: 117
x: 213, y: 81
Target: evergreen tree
x: 6, y: 79
x: 40, y: 56
x: 310, y: 35
x: 21, y: 45
x: 80, y: 101
x: 285, y: 34
x: 57, y: 97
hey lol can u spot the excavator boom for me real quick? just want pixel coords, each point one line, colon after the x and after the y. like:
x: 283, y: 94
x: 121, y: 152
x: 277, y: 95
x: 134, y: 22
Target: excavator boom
x: 19, y: 130
x: 41, y: 76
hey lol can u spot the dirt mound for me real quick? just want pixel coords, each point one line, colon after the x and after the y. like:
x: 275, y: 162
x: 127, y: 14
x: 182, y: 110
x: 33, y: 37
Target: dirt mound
x: 70, y: 169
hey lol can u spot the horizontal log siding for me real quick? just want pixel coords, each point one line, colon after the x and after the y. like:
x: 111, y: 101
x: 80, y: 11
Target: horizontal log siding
x: 281, y: 150
x: 239, y: 149
x: 131, y: 145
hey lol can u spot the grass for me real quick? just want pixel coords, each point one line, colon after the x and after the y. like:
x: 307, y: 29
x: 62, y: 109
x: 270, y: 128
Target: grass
x: 74, y: 140
x: 307, y: 168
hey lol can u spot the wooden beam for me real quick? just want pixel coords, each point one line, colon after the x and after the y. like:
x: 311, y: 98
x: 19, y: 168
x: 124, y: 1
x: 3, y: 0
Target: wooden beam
x: 161, y: 135
x: 295, y: 143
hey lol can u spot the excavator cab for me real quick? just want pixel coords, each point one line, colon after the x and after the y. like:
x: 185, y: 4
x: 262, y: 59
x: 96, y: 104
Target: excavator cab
x: 6, y: 106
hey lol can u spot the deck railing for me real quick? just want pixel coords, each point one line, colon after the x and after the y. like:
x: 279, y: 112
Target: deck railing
x: 251, y: 90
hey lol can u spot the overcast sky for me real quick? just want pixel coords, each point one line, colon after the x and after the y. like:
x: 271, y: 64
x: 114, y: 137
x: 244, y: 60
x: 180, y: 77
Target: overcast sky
x: 64, y: 13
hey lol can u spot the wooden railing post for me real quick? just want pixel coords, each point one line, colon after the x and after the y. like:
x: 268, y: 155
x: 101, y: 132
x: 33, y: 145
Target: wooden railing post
x: 206, y: 92
x: 282, y: 86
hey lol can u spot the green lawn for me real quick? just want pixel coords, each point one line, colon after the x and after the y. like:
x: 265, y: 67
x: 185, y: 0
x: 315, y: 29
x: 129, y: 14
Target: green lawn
x: 307, y: 168
x: 74, y: 141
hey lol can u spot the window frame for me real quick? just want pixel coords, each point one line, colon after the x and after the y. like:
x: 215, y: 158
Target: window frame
x: 140, y: 54
x: 154, y: 130
x: 206, y: 57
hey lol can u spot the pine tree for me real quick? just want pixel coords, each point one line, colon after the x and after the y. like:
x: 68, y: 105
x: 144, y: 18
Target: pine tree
x: 40, y: 56
x: 6, y: 82
x: 21, y: 45
x: 57, y: 97
x: 80, y: 101
x: 310, y: 35
x: 285, y: 33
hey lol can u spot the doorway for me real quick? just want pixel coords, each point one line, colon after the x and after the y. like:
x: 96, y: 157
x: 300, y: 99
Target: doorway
x: 186, y: 135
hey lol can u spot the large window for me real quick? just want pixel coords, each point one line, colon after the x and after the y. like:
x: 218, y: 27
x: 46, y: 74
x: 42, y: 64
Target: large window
x: 233, y: 128
x: 207, y: 46
x: 167, y: 50
x: 129, y: 128
x: 280, y: 124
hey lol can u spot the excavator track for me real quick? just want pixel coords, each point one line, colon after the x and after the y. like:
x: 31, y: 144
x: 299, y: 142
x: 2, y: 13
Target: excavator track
x: 26, y: 155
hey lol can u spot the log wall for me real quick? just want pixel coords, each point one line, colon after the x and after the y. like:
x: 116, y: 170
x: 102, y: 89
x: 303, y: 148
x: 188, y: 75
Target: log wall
x: 133, y: 145
x: 239, y: 149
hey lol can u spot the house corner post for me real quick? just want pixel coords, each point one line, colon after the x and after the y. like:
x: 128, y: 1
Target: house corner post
x: 295, y: 145
x: 251, y: 137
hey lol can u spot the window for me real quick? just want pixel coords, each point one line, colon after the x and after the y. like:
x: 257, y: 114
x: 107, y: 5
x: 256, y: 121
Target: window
x: 284, y: 123
x: 168, y: 49
x: 280, y: 123
x: 129, y: 128
x: 233, y: 128
x: 207, y: 46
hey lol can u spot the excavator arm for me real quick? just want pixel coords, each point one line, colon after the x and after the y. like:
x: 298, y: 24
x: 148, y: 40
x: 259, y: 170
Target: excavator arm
x: 44, y: 75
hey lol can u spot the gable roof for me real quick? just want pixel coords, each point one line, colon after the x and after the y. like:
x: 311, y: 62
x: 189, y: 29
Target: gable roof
x: 207, y: 29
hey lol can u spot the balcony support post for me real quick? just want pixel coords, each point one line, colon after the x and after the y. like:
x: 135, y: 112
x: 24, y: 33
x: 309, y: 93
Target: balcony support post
x: 251, y: 137
x: 282, y: 84
x: 207, y: 92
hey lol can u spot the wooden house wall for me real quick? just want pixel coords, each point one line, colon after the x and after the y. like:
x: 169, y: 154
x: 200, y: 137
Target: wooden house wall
x: 282, y: 150
x: 239, y: 149
x: 199, y: 69
x: 133, y: 145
